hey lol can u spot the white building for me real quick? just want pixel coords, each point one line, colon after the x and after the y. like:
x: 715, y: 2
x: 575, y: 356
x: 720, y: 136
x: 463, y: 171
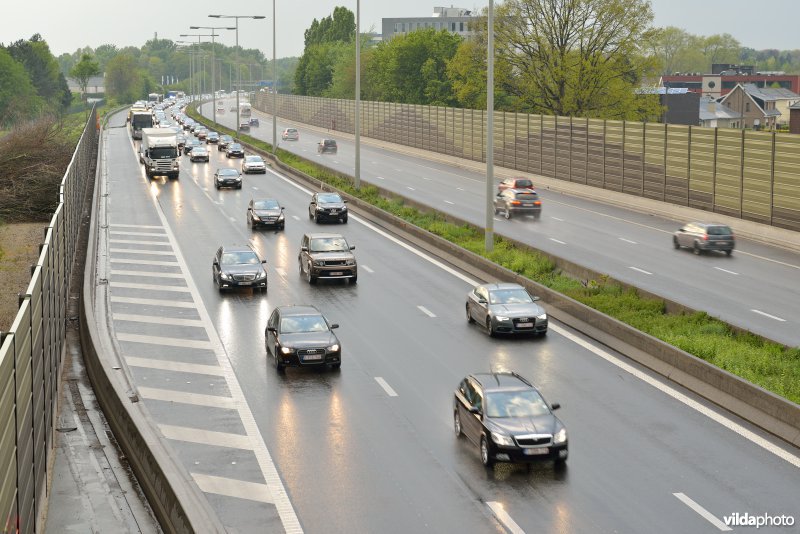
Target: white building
x: 453, y: 19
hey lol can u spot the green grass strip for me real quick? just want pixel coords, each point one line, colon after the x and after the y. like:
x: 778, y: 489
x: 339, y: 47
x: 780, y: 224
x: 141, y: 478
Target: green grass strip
x: 767, y: 364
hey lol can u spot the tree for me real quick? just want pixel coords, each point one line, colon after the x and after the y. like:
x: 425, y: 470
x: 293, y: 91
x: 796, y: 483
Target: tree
x: 324, y: 41
x: 720, y: 48
x: 83, y: 70
x: 18, y: 97
x: 575, y: 57
x: 668, y: 44
x: 124, y: 79
x: 44, y: 71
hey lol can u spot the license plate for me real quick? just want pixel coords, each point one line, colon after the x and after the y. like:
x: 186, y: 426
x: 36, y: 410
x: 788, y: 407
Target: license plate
x: 722, y: 242
x: 245, y: 283
x: 334, y: 212
x: 536, y: 452
x: 528, y: 205
x: 312, y: 357
x: 337, y: 273
x: 525, y: 325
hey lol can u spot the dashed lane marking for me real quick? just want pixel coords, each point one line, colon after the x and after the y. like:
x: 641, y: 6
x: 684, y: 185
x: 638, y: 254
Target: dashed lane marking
x: 640, y: 270
x: 765, y: 314
x: 426, y: 311
x: 386, y: 387
x: 367, y: 269
x: 553, y: 239
x: 705, y: 514
x: 500, y: 513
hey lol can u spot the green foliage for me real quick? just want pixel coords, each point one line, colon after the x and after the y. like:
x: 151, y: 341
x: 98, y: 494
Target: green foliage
x: 83, y: 70
x: 44, y: 72
x: 339, y: 27
x: 124, y: 80
x: 679, y: 51
x: 18, y: 98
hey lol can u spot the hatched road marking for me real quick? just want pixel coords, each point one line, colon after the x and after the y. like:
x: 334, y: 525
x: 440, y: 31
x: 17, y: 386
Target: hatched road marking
x: 500, y: 513
x: 230, y: 487
x: 206, y: 437
x: 197, y: 399
x: 153, y: 302
x: 169, y: 365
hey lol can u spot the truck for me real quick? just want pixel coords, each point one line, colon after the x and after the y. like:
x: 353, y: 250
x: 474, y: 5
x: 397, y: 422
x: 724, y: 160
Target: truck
x: 140, y: 119
x: 244, y: 109
x: 159, y: 152
x: 155, y: 98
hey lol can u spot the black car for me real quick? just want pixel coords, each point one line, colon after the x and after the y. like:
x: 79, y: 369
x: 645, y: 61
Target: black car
x: 238, y: 266
x: 227, y: 177
x: 518, y: 201
x: 254, y: 121
x: 327, y: 207
x: 234, y: 150
x: 191, y: 142
x: 508, y: 419
x: 700, y: 237
x: 224, y: 141
x: 212, y: 137
x: 300, y: 336
x: 327, y: 256
x: 506, y: 308
x: 265, y: 212
x: 327, y: 146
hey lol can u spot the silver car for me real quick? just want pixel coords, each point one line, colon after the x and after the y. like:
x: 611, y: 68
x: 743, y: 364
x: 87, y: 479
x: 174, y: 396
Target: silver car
x: 506, y: 308
x: 253, y: 164
x: 700, y: 237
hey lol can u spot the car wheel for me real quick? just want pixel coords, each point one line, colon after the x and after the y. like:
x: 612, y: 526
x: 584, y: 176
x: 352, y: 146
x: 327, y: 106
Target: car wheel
x: 309, y: 277
x: 486, y: 458
x: 279, y: 367
x: 315, y: 218
x: 696, y: 250
x: 344, y: 220
x: 457, y: 424
x: 336, y: 366
x: 239, y: 187
x: 354, y: 280
x: 728, y: 252
x: 489, y: 329
x: 470, y: 320
x: 675, y: 243
x: 283, y: 226
x: 561, y: 463
x: 536, y: 216
x: 495, y: 210
x: 507, y: 213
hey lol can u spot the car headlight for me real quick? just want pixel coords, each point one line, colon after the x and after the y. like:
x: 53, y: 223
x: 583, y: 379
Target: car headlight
x: 542, y: 317
x: 501, y: 318
x: 280, y: 217
x: 319, y: 263
x: 261, y: 275
x: 502, y: 439
x: 350, y: 262
x: 225, y: 276
x: 333, y: 348
x: 561, y: 436
x: 286, y: 350
x: 320, y: 208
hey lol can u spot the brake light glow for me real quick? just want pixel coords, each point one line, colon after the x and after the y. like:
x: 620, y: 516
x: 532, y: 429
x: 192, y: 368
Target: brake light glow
x: 537, y: 203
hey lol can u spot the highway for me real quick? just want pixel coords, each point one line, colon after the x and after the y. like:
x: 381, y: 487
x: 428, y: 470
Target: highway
x: 757, y: 288
x: 371, y: 448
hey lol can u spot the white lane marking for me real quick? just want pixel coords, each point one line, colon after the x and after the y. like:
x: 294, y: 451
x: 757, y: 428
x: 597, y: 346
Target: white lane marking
x: 117, y: 225
x: 386, y: 387
x: 205, y: 437
x: 426, y: 311
x: 640, y: 270
x: 765, y: 314
x: 149, y: 274
x: 230, y: 487
x: 143, y: 234
x: 379, y: 177
x: 426, y: 178
x: 151, y: 319
x: 143, y: 262
x: 233, y: 219
x: 295, y: 217
x: 133, y: 242
x: 154, y: 287
x: 705, y: 514
x: 557, y: 241
x: 557, y: 219
x: 281, y: 272
x: 255, y: 188
x: 367, y: 269
x: 448, y: 202
x: 170, y: 365
x: 141, y: 251
x: 165, y: 341
x: 153, y: 302
x: 628, y: 241
x: 680, y: 397
x: 410, y: 188
x: 726, y: 271
x: 496, y: 219
x: 197, y: 399
x: 500, y: 513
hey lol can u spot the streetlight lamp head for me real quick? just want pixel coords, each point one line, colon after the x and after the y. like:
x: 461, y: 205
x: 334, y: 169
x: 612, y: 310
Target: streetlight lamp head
x: 194, y: 27
x: 259, y: 17
x: 215, y: 16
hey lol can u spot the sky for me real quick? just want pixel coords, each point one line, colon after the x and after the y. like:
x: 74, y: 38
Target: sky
x: 67, y: 26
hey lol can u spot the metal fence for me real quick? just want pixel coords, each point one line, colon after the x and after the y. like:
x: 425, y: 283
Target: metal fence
x: 31, y: 353
x: 742, y: 173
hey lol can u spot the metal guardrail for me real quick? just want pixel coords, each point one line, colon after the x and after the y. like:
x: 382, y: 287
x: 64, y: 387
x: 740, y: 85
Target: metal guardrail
x: 740, y: 173
x: 31, y: 353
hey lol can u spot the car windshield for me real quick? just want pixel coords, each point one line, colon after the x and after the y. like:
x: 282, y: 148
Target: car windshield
x: 199, y: 149
x: 303, y: 323
x: 718, y: 230
x: 226, y: 138
x: 244, y: 257
x: 509, y: 296
x: 328, y: 244
x: 329, y: 197
x: 253, y: 159
x: 526, y: 403
x: 329, y: 142
x: 266, y: 204
x: 235, y: 146
x: 291, y: 130
x: 227, y: 172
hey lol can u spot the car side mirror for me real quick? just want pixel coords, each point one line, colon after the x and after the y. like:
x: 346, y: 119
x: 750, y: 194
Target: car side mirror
x: 264, y: 262
x: 345, y: 201
x: 474, y: 409
x: 271, y: 329
x: 334, y: 325
x: 303, y: 249
x: 481, y: 301
x: 536, y: 298
x: 352, y: 247
x: 555, y: 406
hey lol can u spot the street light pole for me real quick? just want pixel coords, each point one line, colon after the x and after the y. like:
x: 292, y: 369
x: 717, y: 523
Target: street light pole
x: 199, y: 35
x: 489, y: 233
x: 274, y: 87
x: 357, y: 181
x: 213, y: 62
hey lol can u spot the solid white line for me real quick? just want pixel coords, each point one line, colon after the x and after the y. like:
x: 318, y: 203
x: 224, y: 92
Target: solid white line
x: 640, y: 270
x: 680, y: 397
x: 557, y: 219
x: 426, y: 311
x: 132, y: 242
x: 205, y: 437
x: 726, y: 271
x: 231, y: 487
x: 133, y: 261
x: 708, y: 516
x: 410, y: 188
x: 165, y: 341
x: 141, y: 251
x: 557, y: 241
x: 135, y: 226
x: 367, y: 269
x: 448, y: 202
x: 460, y: 188
x: 295, y: 217
x: 153, y: 302
x: 142, y: 234
x: 628, y: 241
x: 197, y: 399
x: 379, y: 177
x: 148, y: 274
x: 151, y: 319
x: 154, y: 287
x: 386, y: 387
x: 233, y: 219
x: 500, y: 513
x: 170, y: 365
x: 765, y: 314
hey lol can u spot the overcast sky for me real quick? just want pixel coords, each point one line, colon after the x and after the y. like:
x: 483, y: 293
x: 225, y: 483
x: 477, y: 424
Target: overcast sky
x: 69, y: 25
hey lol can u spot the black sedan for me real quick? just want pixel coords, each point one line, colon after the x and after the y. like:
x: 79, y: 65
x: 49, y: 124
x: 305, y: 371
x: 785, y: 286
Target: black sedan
x: 518, y: 202
x: 191, y: 142
x: 238, y: 266
x: 327, y: 207
x: 300, y: 336
x: 234, y: 150
x: 227, y: 177
x: 224, y: 141
x: 265, y: 212
x: 508, y: 419
x: 506, y: 308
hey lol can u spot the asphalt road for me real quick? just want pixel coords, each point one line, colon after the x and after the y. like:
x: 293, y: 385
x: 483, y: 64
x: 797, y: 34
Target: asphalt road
x: 757, y: 288
x: 370, y: 448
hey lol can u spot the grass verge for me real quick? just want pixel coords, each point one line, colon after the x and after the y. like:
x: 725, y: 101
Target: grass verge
x: 770, y: 365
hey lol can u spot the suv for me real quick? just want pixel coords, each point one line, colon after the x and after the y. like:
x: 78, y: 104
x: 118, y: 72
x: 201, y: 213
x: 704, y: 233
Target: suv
x: 515, y: 183
x: 238, y: 266
x: 521, y: 201
x: 301, y: 336
x: 508, y: 419
x: 327, y: 146
x: 327, y: 256
x: 705, y: 236
x: 327, y: 206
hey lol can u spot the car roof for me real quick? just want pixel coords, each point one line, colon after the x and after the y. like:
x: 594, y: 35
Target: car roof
x: 299, y: 309
x: 322, y: 235
x: 237, y: 248
x: 502, y: 285
x: 708, y: 224
x: 522, y: 190
x: 501, y: 381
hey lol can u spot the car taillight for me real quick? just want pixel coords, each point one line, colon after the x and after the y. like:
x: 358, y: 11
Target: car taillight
x: 515, y: 202
x: 537, y: 203
x: 705, y: 237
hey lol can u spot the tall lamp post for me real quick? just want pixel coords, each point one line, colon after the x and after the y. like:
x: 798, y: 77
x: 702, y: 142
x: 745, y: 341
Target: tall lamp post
x: 489, y: 232
x: 189, y: 50
x: 274, y: 87
x: 238, y: 70
x: 199, y: 35
x: 357, y: 177
x: 213, y: 61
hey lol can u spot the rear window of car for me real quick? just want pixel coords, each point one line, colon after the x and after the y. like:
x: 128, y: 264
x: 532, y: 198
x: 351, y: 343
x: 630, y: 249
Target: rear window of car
x: 291, y: 130
x: 527, y: 196
x: 525, y: 183
x: 330, y: 142
x: 718, y: 230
